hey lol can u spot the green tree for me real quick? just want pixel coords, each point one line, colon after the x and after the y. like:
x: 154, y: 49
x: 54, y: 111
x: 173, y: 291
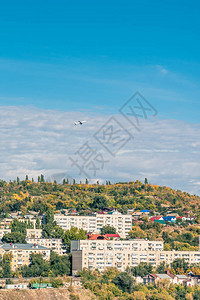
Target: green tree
x: 57, y: 282
x: 196, y: 295
x: 53, y: 231
x: 60, y: 265
x: 179, y: 263
x: 73, y: 234
x: 180, y: 293
x: 107, y: 229
x: 124, y: 282
x: 142, y: 269
x: 42, y: 178
x: 38, y: 267
x: 9, y: 281
x: 161, y: 268
x: 14, y: 237
x: 37, y: 224
x: 99, y: 202
x: 17, y: 226
x: 49, y: 217
x: 6, y: 265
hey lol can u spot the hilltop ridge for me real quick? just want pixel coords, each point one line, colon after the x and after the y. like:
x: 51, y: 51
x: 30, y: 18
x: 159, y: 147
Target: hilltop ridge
x: 39, y: 196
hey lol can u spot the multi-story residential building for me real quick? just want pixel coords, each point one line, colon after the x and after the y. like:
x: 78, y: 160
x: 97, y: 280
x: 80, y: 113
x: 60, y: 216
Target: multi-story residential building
x: 3, y: 232
x: 34, y: 233
x: 94, y: 223
x: 102, y: 254
x: 54, y: 244
x: 30, y: 233
x: 22, y: 252
x: 5, y: 223
x: 134, y: 245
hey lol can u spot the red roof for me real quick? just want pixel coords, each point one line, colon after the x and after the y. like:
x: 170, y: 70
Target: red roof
x: 98, y: 237
x: 112, y: 235
x: 155, y: 218
x: 154, y: 275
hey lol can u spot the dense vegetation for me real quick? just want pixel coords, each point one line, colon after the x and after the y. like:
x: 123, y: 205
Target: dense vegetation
x: 50, y: 198
x: 39, y: 196
x: 112, y: 284
x: 57, y: 265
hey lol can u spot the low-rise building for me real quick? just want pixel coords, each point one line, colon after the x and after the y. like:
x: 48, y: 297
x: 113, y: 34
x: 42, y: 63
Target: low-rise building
x: 17, y: 286
x: 174, y: 279
x: 150, y: 279
x: 54, y: 244
x: 22, y: 253
x: 155, y: 278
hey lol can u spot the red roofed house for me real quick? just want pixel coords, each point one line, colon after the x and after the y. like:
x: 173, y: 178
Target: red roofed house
x: 156, y: 218
x: 113, y: 236
x: 97, y: 237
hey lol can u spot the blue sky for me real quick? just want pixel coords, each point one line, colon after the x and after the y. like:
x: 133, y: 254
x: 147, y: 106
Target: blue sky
x: 86, y: 59
x: 77, y: 55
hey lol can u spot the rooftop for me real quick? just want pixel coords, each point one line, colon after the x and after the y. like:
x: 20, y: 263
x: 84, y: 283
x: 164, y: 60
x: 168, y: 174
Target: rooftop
x: 181, y: 276
x: 23, y: 247
x: 163, y: 276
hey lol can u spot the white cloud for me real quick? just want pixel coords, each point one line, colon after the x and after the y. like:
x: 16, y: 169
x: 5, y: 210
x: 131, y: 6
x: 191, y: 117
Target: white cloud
x: 35, y: 141
x: 162, y: 69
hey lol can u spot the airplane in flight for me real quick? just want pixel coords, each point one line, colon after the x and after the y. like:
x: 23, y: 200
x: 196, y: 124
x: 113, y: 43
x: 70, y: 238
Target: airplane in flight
x: 79, y: 122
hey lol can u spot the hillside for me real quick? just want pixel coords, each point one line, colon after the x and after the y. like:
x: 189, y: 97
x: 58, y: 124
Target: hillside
x: 38, y: 196
x: 45, y: 294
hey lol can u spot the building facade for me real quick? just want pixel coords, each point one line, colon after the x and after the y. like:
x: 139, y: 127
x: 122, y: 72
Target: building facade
x: 54, y: 244
x: 94, y: 223
x: 22, y: 252
x: 5, y: 223
x: 34, y: 233
x: 102, y: 254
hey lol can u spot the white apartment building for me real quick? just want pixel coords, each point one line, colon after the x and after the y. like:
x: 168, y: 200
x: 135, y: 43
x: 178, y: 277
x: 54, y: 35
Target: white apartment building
x: 22, y: 253
x: 102, y: 254
x: 33, y: 233
x: 54, y: 244
x: 134, y: 245
x: 94, y: 223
